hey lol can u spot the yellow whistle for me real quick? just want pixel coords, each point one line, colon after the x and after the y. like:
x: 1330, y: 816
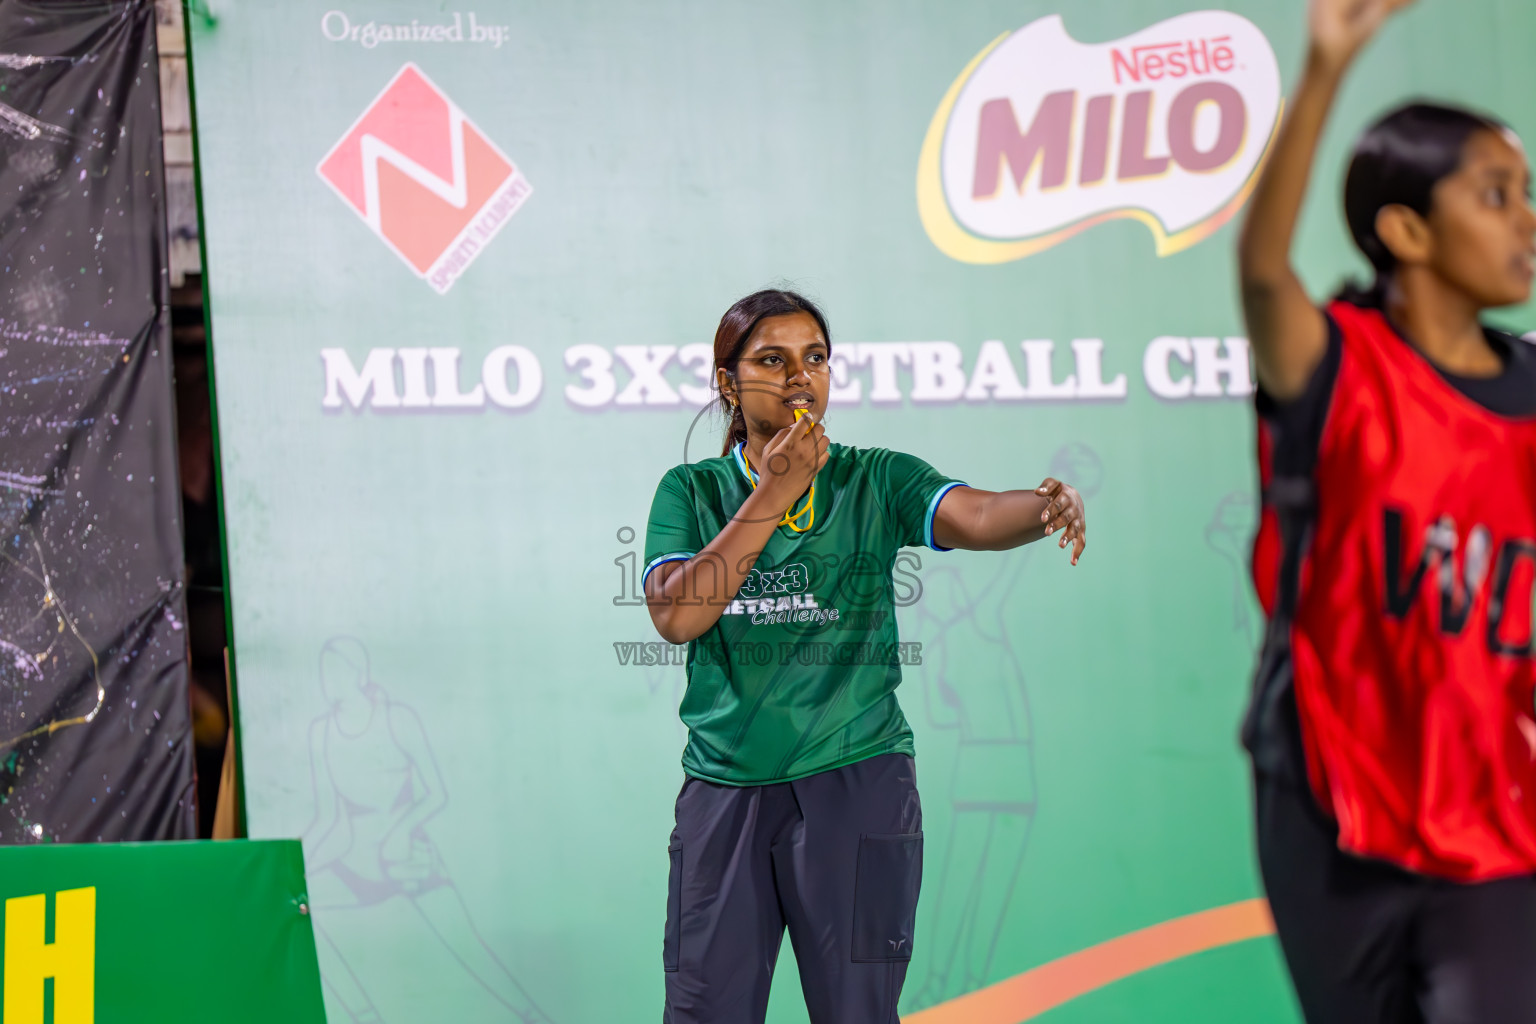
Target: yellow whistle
x: 798, y: 414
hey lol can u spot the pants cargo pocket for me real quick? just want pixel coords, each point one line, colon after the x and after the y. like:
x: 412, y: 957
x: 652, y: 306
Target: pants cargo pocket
x: 890, y: 872
x: 669, y: 941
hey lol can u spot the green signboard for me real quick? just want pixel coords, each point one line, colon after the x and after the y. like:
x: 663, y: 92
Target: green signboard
x: 465, y: 263
x: 160, y: 932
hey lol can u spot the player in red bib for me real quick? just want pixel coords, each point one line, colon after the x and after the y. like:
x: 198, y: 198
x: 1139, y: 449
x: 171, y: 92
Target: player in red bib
x: 1391, y: 729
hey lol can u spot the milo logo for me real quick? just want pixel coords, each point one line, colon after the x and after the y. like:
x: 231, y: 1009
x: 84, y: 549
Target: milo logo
x: 1042, y: 136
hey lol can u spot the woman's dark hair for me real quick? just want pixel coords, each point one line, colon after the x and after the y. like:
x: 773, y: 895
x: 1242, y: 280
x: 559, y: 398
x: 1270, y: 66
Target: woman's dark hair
x: 1398, y: 161
x: 735, y: 330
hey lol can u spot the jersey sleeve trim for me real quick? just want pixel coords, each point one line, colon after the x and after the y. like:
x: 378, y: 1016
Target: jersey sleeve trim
x: 675, y: 556
x: 933, y: 508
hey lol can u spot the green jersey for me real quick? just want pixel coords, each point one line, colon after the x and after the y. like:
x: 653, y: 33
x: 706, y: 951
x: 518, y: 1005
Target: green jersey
x: 799, y: 674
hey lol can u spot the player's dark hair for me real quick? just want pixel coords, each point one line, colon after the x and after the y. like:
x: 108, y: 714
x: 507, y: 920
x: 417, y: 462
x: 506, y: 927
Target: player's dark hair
x: 735, y: 330
x: 1398, y: 161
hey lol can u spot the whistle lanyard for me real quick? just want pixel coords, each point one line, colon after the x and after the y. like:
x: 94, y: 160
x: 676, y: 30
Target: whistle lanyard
x: 808, y: 512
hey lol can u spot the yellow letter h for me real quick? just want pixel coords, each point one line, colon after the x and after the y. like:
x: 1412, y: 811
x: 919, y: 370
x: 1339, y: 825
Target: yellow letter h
x: 70, y: 959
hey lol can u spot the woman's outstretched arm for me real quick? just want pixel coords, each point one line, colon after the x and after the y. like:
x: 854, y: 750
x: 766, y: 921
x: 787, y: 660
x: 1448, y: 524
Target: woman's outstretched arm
x: 1287, y: 332
x: 977, y: 520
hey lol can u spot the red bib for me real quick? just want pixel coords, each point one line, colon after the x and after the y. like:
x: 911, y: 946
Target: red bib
x: 1411, y: 642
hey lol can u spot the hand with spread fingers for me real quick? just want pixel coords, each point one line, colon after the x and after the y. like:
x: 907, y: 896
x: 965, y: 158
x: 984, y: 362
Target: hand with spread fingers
x: 1339, y: 28
x: 978, y: 520
x: 1064, y: 514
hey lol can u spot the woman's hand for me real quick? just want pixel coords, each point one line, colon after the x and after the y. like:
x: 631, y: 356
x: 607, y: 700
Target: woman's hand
x: 1337, y: 29
x: 791, y: 461
x: 1064, y: 513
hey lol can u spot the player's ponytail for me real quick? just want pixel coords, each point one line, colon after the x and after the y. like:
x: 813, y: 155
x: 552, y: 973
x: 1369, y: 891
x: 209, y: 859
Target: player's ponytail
x: 731, y: 338
x: 1398, y: 161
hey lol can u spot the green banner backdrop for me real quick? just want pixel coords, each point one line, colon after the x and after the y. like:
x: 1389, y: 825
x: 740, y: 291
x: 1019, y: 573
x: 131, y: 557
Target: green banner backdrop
x: 465, y: 263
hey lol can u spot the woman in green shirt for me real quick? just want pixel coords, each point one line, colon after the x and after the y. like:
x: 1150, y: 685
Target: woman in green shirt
x: 774, y: 564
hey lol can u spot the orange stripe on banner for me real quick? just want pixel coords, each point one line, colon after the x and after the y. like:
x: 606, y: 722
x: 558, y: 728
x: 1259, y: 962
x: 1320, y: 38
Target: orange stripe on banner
x: 1028, y: 995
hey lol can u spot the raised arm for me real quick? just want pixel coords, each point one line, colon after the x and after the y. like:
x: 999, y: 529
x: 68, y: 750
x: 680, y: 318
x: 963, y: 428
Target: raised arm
x: 687, y: 598
x: 1287, y: 332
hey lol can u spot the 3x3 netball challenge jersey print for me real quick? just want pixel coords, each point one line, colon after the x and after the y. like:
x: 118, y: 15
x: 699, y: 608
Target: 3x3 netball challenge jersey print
x: 799, y: 674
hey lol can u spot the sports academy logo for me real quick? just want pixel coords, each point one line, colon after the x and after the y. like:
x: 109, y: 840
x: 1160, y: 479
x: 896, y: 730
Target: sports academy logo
x: 1042, y: 137
x: 425, y: 178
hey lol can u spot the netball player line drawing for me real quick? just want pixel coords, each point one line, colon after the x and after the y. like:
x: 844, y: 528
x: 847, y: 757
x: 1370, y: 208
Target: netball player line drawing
x: 377, y: 785
x: 1229, y: 534
x: 973, y: 682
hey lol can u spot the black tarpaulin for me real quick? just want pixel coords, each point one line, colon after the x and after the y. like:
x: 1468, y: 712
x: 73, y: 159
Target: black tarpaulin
x: 95, y: 727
